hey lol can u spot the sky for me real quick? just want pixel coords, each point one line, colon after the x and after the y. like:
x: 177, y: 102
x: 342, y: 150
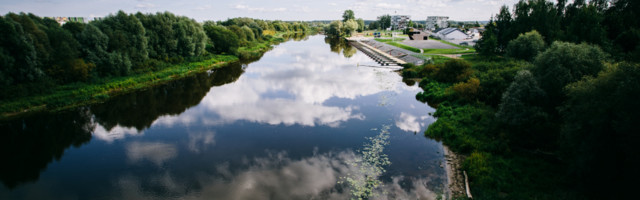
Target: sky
x: 289, y: 10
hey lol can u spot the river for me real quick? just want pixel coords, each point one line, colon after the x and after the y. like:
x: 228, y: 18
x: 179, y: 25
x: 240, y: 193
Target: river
x: 312, y: 119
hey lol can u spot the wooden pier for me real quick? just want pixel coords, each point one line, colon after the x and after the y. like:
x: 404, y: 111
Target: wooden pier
x: 379, y: 56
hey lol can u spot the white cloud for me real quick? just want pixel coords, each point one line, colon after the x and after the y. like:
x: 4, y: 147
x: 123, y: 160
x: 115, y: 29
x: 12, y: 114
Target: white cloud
x: 155, y: 152
x: 115, y: 133
x: 408, y: 122
x: 201, y: 141
x: 145, y: 5
x: 276, y: 176
x: 258, y: 9
x: 390, y: 6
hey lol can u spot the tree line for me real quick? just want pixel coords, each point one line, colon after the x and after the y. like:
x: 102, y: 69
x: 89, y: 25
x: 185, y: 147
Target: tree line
x: 37, y: 53
x: 612, y: 25
x: 548, y: 110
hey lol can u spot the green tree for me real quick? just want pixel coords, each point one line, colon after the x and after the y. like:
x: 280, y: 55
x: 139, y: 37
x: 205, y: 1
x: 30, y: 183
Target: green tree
x: 334, y: 29
x: 222, y: 39
x: 17, y: 55
x: 520, y: 110
x: 361, y: 26
x: 350, y: 26
x: 488, y: 44
x: 126, y: 37
x: 526, y: 46
x: 348, y: 15
x: 94, y: 46
x: 384, y: 21
x: 563, y: 63
x: 600, y: 127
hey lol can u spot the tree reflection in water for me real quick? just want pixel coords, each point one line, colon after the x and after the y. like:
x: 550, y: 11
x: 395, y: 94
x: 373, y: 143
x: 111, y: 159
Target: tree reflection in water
x: 31, y: 143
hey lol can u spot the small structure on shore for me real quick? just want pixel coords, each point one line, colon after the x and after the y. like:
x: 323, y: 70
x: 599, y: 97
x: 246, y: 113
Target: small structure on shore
x: 415, y: 34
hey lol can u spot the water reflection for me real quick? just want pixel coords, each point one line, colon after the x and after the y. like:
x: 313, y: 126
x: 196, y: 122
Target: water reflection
x: 276, y: 176
x: 30, y: 144
x: 141, y: 109
x: 291, y: 90
x: 339, y: 45
x: 286, y: 128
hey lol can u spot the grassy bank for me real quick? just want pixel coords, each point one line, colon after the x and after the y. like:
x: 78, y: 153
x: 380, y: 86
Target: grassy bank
x: 79, y: 94
x: 466, y: 97
x: 449, y: 51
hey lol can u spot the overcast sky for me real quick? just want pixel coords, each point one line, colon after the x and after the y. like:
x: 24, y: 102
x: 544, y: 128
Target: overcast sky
x: 201, y: 10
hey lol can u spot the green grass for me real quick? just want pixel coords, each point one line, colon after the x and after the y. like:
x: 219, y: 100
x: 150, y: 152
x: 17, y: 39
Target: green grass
x: 449, y: 43
x: 389, y: 40
x: 449, y: 51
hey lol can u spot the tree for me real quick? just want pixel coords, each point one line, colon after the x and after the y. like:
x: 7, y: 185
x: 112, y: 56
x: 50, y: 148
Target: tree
x: 488, y: 44
x: 94, y: 46
x: 502, y: 30
x: 526, y: 46
x: 563, y: 63
x: 350, y: 26
x: 348, y: 15
x: 126, y: 37
x: 222, y: 39
x: 601, y: 126
x: 384, y: 21
x: 334, y: 29
x: 17, y: 55
x: 520, y: 111
x: 361, y: 26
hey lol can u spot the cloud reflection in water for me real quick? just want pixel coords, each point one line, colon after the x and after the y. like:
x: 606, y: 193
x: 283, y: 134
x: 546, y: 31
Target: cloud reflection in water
x: 276, y: 176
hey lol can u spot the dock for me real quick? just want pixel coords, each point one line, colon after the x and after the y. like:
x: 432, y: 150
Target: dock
x: 379, y: 56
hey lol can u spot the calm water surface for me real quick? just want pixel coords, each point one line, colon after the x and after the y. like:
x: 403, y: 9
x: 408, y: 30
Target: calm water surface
x: 292, y: 125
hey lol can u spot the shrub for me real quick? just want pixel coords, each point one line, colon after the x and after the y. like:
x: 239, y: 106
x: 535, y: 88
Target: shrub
x: 453, y: 71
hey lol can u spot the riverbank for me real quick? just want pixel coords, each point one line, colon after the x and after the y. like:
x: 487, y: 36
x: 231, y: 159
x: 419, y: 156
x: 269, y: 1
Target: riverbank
x: 466, y: 94
x: 80, y: 94
x: 455, y: 178
x: 73, y: 95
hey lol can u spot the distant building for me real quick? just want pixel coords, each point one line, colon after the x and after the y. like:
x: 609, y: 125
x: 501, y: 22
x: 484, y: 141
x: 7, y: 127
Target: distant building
x: 474, y: 33
x: 436, y: 22
x: 399, y: 22
x: 415, y: 34
x: 63, y: 20
x: 451, y: 34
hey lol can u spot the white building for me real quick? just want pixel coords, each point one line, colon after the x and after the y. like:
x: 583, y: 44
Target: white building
x: 400, y: 22
x: 439, y: 21
x: 451, y: 34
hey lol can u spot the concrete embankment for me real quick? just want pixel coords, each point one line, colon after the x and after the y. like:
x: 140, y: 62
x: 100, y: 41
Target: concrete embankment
x: 389, y: 52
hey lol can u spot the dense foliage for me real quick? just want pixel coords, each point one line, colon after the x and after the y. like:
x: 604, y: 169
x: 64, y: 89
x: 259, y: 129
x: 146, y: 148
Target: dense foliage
x: 612, y: 25
x: 37, y: 53
x: 346, y: 27
x: 553, y: 119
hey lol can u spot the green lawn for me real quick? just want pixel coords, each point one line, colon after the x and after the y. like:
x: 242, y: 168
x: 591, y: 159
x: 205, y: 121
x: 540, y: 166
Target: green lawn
x: 449, y: 51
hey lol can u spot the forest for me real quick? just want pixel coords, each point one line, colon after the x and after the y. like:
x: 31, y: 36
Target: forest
x: 548, y: 109
x: 37, y: 54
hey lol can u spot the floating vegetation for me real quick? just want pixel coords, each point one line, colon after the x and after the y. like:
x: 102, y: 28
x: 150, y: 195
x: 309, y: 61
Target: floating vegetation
x: 370, y: 166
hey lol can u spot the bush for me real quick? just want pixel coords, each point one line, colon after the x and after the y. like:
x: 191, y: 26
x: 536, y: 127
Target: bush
x: 467, y: 90
x: 453, y: 71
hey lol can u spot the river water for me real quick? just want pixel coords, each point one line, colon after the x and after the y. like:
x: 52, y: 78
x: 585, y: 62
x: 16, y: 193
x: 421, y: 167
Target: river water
x: 302, y: 122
